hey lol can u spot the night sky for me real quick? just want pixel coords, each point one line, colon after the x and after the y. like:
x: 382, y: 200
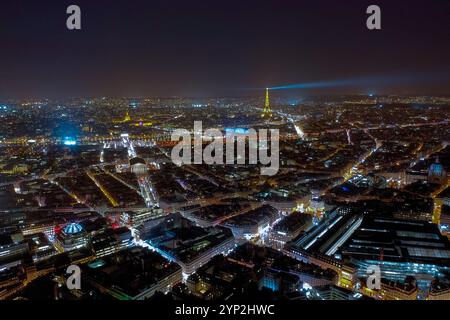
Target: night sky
x: 214, y: 48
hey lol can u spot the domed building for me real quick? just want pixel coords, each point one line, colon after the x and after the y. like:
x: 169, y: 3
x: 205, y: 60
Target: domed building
x: 437, y: 173
x: 138, y: 166
x: 72, y: 237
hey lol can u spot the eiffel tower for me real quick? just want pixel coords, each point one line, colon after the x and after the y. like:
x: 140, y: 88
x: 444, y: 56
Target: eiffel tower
x: 267, y: 112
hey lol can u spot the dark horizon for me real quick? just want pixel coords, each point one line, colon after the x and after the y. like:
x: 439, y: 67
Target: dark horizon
x: 201, y: 49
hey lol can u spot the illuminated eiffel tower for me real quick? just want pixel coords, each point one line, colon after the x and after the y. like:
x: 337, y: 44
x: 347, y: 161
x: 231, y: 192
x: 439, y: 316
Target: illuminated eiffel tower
x: 267, y: 112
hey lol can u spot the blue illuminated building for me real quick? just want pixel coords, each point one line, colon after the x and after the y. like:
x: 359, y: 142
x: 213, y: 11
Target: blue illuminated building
x: 72, y: 237
x: 236, y: 131
x: 437, y: 173
x: 69, y: 141
x: 400, y: 248
x: 270, y: 283
x: 73, y: 228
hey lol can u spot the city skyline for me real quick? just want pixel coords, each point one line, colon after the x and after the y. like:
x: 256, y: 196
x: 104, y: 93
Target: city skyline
x: 215, y: 159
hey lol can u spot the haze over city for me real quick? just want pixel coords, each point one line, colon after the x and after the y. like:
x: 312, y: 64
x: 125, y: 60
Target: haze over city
x: 204, y: 48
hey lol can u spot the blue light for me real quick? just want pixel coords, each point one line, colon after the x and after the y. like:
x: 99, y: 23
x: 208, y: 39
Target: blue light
x: 236, y: 130
x: 270, y: 284
x: 68, y: 141
x: 377, y: 80
x: 97, y: 264
x: 134, y: 104
x: 73, y: 228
